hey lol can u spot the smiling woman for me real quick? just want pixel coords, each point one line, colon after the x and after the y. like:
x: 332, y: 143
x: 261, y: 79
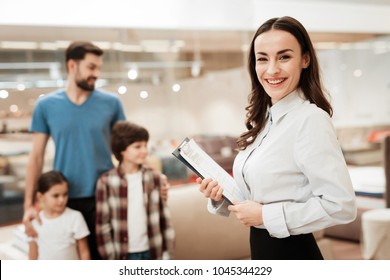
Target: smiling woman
x: 279, y: 70
x: 289, y: 154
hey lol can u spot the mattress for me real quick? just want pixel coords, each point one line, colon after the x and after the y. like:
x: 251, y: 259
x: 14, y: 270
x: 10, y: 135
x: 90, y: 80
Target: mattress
x: 368, y: 180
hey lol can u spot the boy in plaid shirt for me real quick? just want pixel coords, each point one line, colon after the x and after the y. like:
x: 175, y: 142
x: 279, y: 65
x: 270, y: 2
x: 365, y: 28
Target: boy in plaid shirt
x: 132, y: 221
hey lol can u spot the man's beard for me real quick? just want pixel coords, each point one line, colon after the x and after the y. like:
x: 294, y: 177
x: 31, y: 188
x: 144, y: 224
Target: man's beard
x: 83, y: 84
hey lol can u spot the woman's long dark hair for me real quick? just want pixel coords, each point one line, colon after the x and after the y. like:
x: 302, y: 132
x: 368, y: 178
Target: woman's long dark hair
x: 310, y: 81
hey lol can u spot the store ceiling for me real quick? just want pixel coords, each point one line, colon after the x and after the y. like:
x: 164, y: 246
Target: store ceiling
x: 152, y: 52
x: 32, y: 55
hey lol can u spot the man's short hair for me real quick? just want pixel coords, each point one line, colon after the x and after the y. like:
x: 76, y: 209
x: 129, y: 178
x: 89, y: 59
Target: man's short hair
x: 78, y: 50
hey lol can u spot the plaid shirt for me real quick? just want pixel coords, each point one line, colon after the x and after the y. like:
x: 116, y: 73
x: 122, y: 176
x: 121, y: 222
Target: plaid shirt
x: 111, y: 216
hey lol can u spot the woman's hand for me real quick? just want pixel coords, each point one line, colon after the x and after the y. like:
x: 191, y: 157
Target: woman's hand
x: 210, y: 189
x: 248, y: 212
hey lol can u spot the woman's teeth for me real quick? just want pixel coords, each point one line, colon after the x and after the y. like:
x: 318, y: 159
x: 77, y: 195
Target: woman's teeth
x: 274, y: 82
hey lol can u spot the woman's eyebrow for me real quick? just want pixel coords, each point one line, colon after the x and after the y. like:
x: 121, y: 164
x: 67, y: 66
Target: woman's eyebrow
x: 279, y: 52
x: 285, y: 50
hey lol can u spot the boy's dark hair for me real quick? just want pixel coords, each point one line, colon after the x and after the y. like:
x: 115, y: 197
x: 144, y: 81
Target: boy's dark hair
x: 49, y: 179
x: 124, y: 134
x: 78, y: 50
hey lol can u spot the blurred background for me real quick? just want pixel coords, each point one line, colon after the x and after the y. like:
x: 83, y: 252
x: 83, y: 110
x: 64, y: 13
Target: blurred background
x: 179, y: 67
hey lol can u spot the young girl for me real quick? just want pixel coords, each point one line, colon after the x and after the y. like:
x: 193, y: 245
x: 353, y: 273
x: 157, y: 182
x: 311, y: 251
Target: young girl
x: 62, y: 232
x: 133, y: 221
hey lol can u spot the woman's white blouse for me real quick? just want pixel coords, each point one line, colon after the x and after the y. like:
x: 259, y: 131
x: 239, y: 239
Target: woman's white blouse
x: 296, y: 169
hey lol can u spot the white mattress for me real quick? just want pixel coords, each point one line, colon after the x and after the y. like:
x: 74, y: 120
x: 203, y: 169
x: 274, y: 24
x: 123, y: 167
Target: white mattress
x: 368, y: 179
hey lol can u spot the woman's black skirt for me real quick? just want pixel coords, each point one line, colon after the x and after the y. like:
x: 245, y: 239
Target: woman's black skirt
x: 294, y: 247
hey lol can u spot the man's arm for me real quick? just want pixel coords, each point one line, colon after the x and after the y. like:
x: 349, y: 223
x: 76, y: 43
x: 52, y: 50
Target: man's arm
x: 34, y: 170
x: 34, y: 167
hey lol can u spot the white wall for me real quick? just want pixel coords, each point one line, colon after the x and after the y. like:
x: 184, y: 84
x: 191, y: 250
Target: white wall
x: 362, y: 100
x: 212, y: 104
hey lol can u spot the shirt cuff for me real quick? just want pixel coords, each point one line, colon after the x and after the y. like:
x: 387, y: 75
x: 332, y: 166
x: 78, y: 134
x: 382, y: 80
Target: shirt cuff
x: 273, y: 220
x: 218, y: 207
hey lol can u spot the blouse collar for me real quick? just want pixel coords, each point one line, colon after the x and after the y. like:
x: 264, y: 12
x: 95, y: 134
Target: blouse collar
x: 285, y: 105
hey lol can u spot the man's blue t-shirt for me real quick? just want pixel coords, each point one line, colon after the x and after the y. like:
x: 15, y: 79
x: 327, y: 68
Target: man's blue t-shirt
x: 81, y: 135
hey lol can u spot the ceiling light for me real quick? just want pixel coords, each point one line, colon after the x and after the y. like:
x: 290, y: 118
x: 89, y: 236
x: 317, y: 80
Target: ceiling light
x: 380, y: 47
x: 20, y: 87
x: 122, y: 90
x: 30, y: 65
x: 162, y: 64
x: 13, y: 108
x: 103, y: 45
x: 162, y: 45
x: 132, y: 74
x: 19, y: 45
x: 345, y: 46
x: 4, y: 94
x: 48, y: 46
x: 358, y: 73
x: 63, y: 44
x: 326, y: 45
x: 126, y: 48
x: 46, y: 83
x: 144, y: 94
x: 176, y: 87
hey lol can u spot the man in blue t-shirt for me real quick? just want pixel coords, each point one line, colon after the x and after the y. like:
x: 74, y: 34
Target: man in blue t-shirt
x: 79, y: 120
